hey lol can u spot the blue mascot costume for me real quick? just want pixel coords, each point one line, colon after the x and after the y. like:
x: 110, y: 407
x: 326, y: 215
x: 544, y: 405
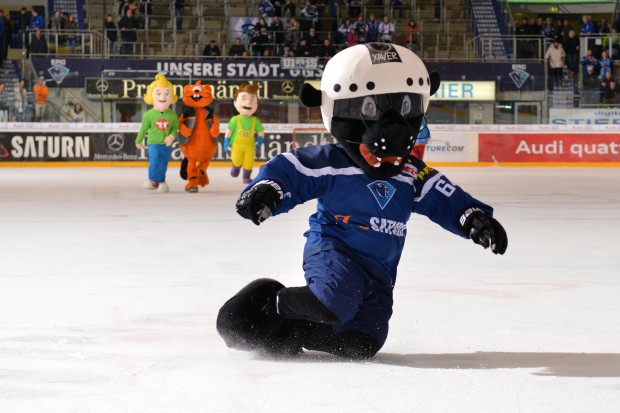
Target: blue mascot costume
x: 373, y: 99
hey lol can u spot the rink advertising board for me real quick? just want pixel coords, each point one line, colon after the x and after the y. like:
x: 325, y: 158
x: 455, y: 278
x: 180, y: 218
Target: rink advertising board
x: 452, y: 146
x: 549, y: 147
x: 114, y: 143
x: 134, y: 88
x: 584, y: 116
x: 115, y: 146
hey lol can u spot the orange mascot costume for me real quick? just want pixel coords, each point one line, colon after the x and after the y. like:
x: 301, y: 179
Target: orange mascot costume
x: 198, y: 130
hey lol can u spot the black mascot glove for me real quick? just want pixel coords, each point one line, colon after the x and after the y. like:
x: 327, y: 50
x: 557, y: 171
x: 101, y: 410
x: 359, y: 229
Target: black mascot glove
x: 484, y: 230
x: 259, y: 202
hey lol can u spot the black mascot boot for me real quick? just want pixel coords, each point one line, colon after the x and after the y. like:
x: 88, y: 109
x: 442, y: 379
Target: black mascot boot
x: 244, y: 325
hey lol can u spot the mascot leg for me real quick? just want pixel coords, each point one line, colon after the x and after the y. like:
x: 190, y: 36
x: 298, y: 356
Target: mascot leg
x: 250, y: 321
x: 246, y: 176
x: 192, y: 176
x: 243, y: 324
x: 203, y: 178
x: 319, y: 329
x: 248, y: 164
x: 236, y: 156
x: 183, y: 171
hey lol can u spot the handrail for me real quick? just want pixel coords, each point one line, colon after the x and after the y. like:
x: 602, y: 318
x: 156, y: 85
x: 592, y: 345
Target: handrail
x: 160, y: 43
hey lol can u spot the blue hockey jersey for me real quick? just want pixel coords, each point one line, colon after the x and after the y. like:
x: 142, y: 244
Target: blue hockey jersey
x: 356, y: 213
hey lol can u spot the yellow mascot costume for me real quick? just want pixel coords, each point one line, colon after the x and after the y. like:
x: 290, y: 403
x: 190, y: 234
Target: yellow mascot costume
x: 242, y: 130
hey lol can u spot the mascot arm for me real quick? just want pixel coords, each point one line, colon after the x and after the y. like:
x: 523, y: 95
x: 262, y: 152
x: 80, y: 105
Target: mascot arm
x: 443, y: 202
x: 297, y: 186
x: 187, y: 120
x: 183, y: 129
x: 215, y: 127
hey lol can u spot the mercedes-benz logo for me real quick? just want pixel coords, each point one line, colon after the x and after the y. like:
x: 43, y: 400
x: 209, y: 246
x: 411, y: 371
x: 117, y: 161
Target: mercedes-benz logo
x: 116, y: 142
x: 288, y: 86
x: 102, y: 85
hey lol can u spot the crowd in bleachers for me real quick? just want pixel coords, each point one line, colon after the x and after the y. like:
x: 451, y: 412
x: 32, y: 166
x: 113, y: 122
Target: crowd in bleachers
x: 559, y: 44
x: 320, y: 28
x: 312, y: 30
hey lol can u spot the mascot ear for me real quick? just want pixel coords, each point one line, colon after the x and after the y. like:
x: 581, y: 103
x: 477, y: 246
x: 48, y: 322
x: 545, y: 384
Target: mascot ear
x: 435, y: 81
x: 309, y: 96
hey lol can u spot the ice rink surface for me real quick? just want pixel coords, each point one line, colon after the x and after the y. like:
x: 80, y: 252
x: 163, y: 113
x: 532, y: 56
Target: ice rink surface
x: 109, y: 293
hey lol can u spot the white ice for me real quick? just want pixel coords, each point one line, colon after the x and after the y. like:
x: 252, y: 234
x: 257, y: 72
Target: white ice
x: 109, y: 293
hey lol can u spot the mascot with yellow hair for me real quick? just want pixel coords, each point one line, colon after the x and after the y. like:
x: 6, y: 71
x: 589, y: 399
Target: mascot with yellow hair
x: 159, y: 125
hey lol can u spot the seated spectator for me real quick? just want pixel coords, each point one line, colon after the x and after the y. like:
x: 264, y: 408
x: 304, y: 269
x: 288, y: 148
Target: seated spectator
x: 343, y: 31
x: 289, y: 9
x: 606, y: 80
x: 266, y: 9
x: 386, y: 30
x: 327, y: 50
x: 76, y: 113
x: 312, y: 38
x: 38, y: 44
x: 288, y: 51
x: 606, y: 64
x: 611, y: 94
x: 372, y: 25
x: 211, y: 50
x: 302, y: 49
x: 590, y: 60
x: 236, y: 49
x: 258, y: 43
x: 351, y: 37
x: 361, y: 29
x: 261, y: 25
x: 603, y: 27
x: 293, y: 32
x: 309, y: 16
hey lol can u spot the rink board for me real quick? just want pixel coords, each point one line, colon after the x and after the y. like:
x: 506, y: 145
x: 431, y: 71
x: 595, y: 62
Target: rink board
x: 104, y: 144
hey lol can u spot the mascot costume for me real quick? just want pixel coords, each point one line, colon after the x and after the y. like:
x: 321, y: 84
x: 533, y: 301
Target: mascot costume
x: 198, y: 130
x: 241, y: 131
x: 421, y: 141
x: 373, y: 98
x: 159, y: 125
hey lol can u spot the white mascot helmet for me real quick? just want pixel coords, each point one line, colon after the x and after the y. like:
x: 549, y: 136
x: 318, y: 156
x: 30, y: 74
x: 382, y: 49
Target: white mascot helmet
x: 372, y: 69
